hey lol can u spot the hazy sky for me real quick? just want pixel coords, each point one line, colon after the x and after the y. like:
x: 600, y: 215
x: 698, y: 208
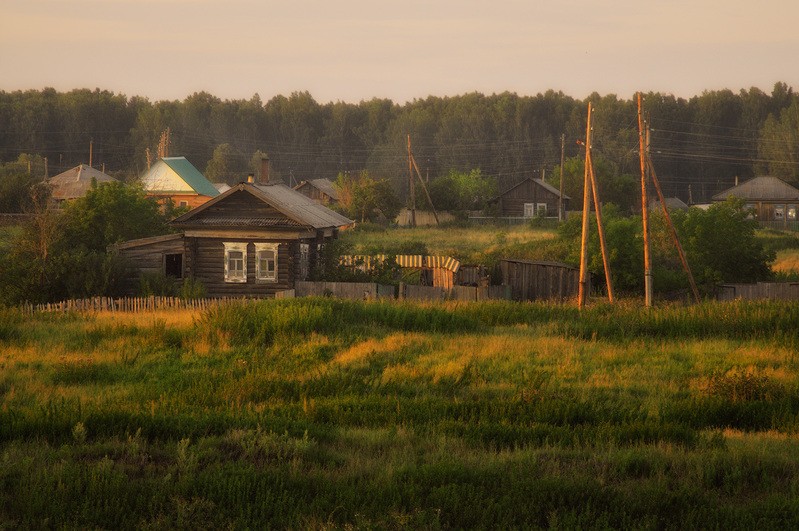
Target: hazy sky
x: 353, y: 50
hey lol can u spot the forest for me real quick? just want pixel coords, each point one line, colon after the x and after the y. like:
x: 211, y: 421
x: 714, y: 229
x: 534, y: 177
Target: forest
x: 699, y: 145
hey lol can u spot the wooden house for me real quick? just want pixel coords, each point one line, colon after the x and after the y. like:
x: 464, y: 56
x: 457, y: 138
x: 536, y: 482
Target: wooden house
x: 773, y: 201
x: 177, y: 179
x: 253, y: 240
x: 323, y: 191
x: 531, y: 280
x: 529, y: 198
x: 75, y: 182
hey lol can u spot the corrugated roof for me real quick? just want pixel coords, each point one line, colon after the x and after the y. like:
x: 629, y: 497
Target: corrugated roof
x: 191, y: 176
x: 403, y: 260
x: 299, y: 209
x: 248, y: 222
x: 762, y: 188
x: 75, y: 182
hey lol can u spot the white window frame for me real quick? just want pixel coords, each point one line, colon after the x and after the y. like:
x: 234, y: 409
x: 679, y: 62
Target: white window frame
x: 260, y: 274
x: 231, y: 276
x: 538, y: 208
x: 529, y: 210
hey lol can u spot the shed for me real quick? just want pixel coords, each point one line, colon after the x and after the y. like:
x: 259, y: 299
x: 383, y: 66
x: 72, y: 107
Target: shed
x: 771, y: 199
x: 438, y: 271
x: 531, y: 280
x: 75, y: 182
x: 253, y: 240
x: 323, y: 191
x: 177, y: 179
x: 530, y: 198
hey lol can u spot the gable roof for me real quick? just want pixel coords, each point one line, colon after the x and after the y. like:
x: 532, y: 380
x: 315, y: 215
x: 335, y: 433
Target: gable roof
x: 177, y: 175
x: 539, y: 182
x: 671, y: 203
x: 300, y: 210
x: 76, y: 181
x: 325, y: 186
x: 762, y: 188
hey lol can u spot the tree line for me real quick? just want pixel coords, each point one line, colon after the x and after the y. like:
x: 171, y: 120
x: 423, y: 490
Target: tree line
x: 699, y: 144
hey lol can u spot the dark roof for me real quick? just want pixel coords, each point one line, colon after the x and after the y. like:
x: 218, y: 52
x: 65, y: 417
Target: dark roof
x: 75, y: 182
x: 325, y: 186
x: 146, y: 241
x: 300, y: 210
x: 762, y: 188
x: 671, y: 203
x: 539, y: 182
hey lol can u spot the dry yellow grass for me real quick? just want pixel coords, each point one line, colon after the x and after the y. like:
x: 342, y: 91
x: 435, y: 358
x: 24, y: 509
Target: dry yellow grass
x: 787, y: 261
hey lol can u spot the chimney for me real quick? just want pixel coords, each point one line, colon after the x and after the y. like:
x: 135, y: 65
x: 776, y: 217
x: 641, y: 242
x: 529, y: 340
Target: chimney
x: 263, y: 177
x: 250, y: 178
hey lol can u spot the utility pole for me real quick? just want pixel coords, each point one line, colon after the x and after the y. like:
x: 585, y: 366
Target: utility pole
x: 561, y: 215
x: 644, y: 210
x: 46, y: 170
x: 91, y: 151
x: 411, y: 185
x: 582, y: 293
x: 600, y: 226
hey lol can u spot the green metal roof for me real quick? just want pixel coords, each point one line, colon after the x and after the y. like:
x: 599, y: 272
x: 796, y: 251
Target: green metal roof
x: 191, y: 175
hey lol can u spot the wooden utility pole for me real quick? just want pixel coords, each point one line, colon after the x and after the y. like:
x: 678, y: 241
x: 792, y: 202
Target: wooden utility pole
x: 424, y: 187
x: 91, y: 151
x: 644, y: 209
x: 599, y: 224
x: 46, y: 170
x: 582, y: 293
x: 561, y: 215
x: 411, y: 186
x: 672, y: 230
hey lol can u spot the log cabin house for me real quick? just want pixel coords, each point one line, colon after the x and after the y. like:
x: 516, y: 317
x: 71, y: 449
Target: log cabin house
x: 528, y: 199
x: 253, y: 241
x: 773, y: 202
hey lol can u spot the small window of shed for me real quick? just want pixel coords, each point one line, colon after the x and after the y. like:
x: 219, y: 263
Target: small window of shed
x: 173, y: 265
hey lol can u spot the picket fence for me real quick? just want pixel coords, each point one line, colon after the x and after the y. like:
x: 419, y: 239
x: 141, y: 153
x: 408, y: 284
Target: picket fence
x: 128, y: 304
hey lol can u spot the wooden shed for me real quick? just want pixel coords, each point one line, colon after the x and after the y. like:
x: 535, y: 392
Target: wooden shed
x: 530, y: 280
x: 323, y: 191
x: 253, y: 240
x: 529, y: 198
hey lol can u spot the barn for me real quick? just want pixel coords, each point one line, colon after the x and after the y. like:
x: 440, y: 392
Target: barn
x: 253, y: 240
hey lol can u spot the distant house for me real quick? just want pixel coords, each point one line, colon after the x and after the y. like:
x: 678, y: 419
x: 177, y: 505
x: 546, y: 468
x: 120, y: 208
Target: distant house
x: 253, y: 240
x: 529, y: 198
x: 773, y: 201
x: 75, y: 182
x: 323, y: 191
x: 177, y: 179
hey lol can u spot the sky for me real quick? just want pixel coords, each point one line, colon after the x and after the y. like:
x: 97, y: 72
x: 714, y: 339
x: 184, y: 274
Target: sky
x: 356, y: 50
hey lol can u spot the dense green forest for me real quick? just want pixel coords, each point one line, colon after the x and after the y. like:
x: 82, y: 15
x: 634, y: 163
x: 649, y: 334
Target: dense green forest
x: 705, y: 141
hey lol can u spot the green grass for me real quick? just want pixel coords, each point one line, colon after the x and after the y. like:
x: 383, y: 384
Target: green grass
x: 321, y: 413
x: 470, y: 244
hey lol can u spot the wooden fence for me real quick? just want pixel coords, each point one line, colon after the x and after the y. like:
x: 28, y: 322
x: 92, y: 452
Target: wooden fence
x: 456, y: 293
x: 128, y: 304
x: 344, y: 290
x: 761, y: 290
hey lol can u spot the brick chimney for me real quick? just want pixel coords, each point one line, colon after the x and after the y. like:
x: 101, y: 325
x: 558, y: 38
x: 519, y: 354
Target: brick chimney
x: 263, y: 176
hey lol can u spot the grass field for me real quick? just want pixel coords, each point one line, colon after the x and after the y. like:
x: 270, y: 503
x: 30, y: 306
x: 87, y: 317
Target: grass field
x: 325, y: 414
x: 470, y: 244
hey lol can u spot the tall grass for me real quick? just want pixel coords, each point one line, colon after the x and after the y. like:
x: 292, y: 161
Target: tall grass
x: 320, y: 413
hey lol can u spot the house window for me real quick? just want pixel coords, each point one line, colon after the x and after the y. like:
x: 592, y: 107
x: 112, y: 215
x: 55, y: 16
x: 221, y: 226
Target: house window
x: 173, y: 265
x: 792, y: 212
x: 541, y: 210
x: 235, y: 262
x: 779, y: 212
x: 266, y: 262
x: 529, y: 210
x: 183, y: 204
